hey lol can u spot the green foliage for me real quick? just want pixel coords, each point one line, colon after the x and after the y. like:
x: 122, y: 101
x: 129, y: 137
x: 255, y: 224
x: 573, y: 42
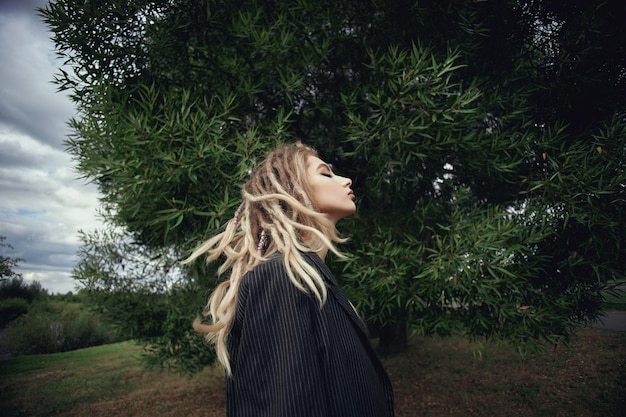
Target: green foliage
x: 142, y: 293
x: 15, y: 287
x: 15, y: 294
x: 7, y: 263
x: 615, y: 297
x: 50, y: 327
x: 178, y: 346
x: 582, y: 184
x: 12, y: 308
x: 486, y: 143
x: 447, y: 283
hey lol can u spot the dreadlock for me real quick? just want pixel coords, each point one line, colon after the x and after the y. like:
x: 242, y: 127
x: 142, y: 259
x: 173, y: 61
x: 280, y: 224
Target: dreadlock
x: 276, y: 215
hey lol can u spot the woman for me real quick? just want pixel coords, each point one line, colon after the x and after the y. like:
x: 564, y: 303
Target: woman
x: 291, y: 343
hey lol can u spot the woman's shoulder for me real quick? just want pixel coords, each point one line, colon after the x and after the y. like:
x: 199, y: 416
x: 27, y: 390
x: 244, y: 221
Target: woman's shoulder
x: 270, y: 274
x: 271, y: 269
x: 271, y: 264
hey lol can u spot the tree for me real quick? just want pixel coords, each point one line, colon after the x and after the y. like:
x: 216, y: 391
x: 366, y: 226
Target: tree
x: 489, y: 204
x: 7, y: 263
x: 143, y: 294
x: 15, y: 295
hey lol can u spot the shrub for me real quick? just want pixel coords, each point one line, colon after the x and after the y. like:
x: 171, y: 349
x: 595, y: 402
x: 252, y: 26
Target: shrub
x: 11, y: 309
x: 56, y: 327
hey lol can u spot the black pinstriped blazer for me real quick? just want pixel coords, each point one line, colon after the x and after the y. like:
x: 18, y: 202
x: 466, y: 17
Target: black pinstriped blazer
x: 289, y: 358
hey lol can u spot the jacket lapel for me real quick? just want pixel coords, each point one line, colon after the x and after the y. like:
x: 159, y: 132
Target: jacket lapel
x: 334, y: 289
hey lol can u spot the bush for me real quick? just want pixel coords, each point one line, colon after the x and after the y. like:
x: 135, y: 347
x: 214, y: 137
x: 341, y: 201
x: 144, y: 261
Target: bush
x: 11, y: 309
x: 615, y: 299
x: 56, y: 327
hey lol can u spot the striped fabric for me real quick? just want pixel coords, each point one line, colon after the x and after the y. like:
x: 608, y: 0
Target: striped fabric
x: 290, y: 358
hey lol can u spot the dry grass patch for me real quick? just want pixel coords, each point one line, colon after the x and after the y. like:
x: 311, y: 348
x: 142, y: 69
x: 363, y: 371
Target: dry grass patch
x: 444, y: 378
x: 435, y: 377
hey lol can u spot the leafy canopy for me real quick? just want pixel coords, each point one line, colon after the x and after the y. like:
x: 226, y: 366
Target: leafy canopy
x: 485, y: 141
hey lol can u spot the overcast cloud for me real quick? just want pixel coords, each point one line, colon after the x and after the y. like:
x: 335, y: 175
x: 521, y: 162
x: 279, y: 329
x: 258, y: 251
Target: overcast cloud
x: 43, y: 203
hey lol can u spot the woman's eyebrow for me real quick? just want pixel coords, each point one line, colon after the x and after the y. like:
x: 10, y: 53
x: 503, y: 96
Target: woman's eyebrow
x: 324, y: 166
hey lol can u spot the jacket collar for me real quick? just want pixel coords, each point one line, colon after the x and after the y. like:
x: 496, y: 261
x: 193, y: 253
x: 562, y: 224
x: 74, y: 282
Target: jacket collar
x: 334, y: 289
x: 322, y: 267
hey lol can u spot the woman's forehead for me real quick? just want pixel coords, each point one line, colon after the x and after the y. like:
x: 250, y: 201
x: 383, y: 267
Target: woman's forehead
x: 313, y: 162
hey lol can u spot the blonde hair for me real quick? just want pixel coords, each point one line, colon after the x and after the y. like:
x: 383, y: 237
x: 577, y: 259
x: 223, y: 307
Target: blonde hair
x: 276, y: 215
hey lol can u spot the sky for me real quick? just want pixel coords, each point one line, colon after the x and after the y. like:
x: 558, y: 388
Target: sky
x: 43, y: 200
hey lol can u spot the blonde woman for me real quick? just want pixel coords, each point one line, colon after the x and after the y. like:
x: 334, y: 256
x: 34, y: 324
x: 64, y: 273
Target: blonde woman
x: 288, y: 338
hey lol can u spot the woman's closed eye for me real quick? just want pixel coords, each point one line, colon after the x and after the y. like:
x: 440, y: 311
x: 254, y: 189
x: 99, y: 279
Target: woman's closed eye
x: 326, y: 174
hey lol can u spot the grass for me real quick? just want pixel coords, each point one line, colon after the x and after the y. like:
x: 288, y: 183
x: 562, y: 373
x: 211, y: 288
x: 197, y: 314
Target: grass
x: 435, y: 377
x: 37, y: 385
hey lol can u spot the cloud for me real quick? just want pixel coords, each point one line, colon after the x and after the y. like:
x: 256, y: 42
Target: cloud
x: 24, y: 7
x: 14, y: 154
x: 43, y: 204
x: 29, y: 102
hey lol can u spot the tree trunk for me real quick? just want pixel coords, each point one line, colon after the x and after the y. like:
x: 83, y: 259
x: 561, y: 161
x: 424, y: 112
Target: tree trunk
x: 393, y: 337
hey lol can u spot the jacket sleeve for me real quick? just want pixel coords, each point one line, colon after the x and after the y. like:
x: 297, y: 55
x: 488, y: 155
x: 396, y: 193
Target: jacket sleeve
x: 278, y: 370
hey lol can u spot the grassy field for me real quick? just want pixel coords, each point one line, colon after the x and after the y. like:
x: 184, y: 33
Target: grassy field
x: 435, y: 377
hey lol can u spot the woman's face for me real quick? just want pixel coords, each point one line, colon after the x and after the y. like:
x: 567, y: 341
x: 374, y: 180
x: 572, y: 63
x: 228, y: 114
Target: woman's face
x: 331, y: 193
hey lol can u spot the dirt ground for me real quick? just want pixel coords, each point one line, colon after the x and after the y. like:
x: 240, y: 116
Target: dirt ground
x: 433, y: 378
